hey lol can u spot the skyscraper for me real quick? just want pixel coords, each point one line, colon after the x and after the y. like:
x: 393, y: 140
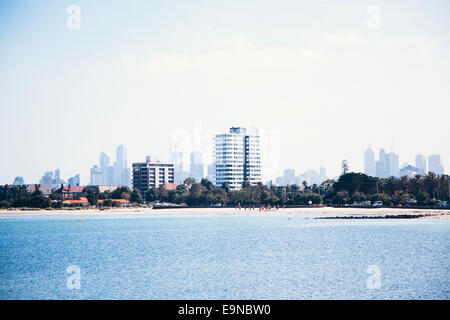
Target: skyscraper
x: 116, y: 174
x: 393, y: 169
x: 237, y: 157
x: 196, y: 166
x: 120, y: 165
x: 104, y: 163
x: 96, y: 176
x: 288, y: 177
x: 74, y: 181
x: 18, y: 181
x: 434, y: 164
x: 211, y: 175
x: 421, y: 164
x: 369, y: 162
x: 176, y: 157
x: 109, y: 176
x: 52, y: 179
x: 380, y: 169
x: 381, y: 166
x: 121, y: 170
x: 322, y: 174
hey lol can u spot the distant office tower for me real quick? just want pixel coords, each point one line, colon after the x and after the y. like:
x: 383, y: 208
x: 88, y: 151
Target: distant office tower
x: 96, y: 176
x: 369, y: 162
x: 18, y: 181
x: 382, y: 155
x: 392, y: 161
x: 311, y: 176
x: 381, y: 166
x: 380, y: 169
x: 47, y: 178
x: 288, y: 177
x: 434, y: 164
x: 211, y: 176
x: 196, y: 166
x: 421, y: 164
x: 176, y: 157
x: 322, y: 174
x: 126, y: 177
x: 74, y: 181
x: 109, y: 176
x: 52, y: 179
x: 121, y: 171
x: 152, y: 174
x: 237, y: 157
x: 279, y: 181
x: 104, y: 163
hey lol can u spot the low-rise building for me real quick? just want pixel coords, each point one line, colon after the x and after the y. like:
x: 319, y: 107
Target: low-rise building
x: 82, y: 202
x: 70, y: 192
x: 44, y: 188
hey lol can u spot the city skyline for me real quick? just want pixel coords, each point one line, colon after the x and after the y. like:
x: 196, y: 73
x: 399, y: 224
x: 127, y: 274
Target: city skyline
x: 319, y: 76
x: 199, y: 169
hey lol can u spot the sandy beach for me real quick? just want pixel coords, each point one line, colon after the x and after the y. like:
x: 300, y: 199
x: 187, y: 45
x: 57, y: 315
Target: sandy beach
x: 316, y: 211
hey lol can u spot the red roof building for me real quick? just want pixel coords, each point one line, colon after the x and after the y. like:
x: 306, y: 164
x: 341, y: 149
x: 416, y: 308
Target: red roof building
x: 70, y: 192
x: 83, y: 201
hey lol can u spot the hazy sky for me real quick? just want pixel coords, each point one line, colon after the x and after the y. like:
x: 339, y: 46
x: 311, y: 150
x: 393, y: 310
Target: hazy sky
x: 320, y: 79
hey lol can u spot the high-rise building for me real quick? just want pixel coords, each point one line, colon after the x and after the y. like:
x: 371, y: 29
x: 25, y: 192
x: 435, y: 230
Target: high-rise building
x: 18, y: 181
x: 96, y: 176
x: 104, y: 163
x: 369, y: 162
x: 434, y: 164
x: 74, y: 181
x: 322, y: 174
x: 380, y: 169
x: 52, y: 179
x: 381, y: 166
x: 176, y: 157
x: 117, y: 174
x: 196, y: 166
x: 421, y: 164
x: 109, y: 176
x: 312, y: 177
x: 393, y: 169
x: 211, y: 176
x: 237, y: 157
x: 152, y: 174
x: 121, y: 170
x: 382, y: 155
x: 289, y: 177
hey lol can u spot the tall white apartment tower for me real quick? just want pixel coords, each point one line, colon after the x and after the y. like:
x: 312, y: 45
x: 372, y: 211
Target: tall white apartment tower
x: 237, y: 158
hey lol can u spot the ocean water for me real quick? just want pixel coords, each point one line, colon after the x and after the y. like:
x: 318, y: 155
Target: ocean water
x: 259, y: 256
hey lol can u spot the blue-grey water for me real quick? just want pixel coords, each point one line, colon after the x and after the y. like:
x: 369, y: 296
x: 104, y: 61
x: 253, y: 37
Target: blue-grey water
x: 223, y: 257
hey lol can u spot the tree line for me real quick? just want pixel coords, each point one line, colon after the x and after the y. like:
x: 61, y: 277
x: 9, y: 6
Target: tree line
x: 350, y: 188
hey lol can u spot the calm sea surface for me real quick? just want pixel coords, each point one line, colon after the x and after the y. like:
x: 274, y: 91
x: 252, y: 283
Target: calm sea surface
x: 264, y: 256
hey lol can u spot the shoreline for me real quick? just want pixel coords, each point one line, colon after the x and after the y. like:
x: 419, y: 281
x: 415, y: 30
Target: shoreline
x: 328, y: 212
